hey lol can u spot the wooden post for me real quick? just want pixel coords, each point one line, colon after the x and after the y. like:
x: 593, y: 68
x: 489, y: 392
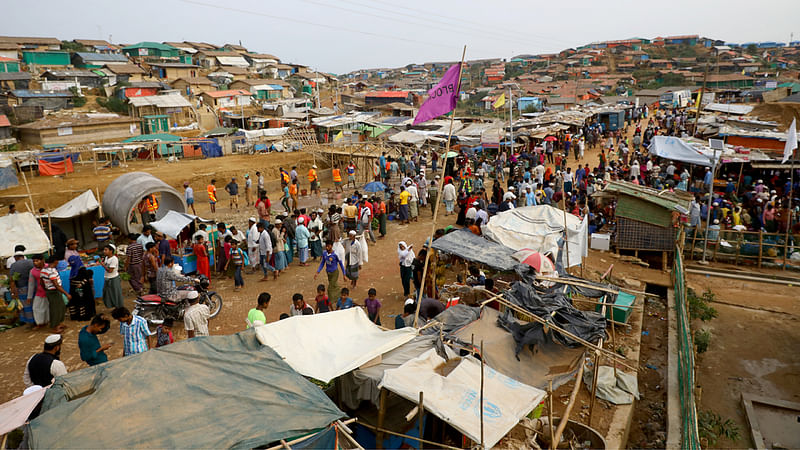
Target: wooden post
x: 694, y: 240
x: 155, y: 148
x: 381, y: 417
x: 439, y: 196
x: 482, y: 376
x: 596, y: 370
x: 550, y: 410
x: 760, y: 246
x: 565, y: 417
x: 94, y: 160
x: 613, y: 341
x: 421, y: 411
x: 99, y: 202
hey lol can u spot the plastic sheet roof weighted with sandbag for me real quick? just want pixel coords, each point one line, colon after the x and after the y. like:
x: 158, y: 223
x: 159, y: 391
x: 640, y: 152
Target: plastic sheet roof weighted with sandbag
x: 206, y: 392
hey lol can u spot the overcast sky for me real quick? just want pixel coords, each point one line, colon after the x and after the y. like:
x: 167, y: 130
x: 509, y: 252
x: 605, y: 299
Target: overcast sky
x: 343, y: 35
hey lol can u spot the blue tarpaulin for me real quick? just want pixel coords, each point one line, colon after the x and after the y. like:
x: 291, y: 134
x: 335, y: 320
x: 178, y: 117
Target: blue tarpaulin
x: 210, y: 148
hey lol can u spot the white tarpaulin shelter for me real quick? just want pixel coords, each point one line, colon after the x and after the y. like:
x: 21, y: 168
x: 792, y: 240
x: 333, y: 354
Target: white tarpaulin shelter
x: 265, y: 132
x: 14, y: 413
x: 677, y: 149
x: 324, y: 346
x: 78, y: 206
x: 174, y: 222
x: 23, y: 229
x: 455, y: 397
x: 729, y: 108
x: 539, y: 228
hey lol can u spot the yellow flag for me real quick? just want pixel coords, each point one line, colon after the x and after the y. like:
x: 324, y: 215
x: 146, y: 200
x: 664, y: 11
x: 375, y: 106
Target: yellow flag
x: 338, y: 136
x: 500, y: 101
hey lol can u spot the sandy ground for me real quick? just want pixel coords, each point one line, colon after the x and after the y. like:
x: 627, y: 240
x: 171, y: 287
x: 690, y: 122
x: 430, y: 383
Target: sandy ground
x: 755, y: 348
x: 768, y: 369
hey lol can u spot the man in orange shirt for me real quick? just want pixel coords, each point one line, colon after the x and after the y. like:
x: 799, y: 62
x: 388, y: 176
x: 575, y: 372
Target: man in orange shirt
x: 212, y: 196
x: 314, y: 180
x: 337, y: 179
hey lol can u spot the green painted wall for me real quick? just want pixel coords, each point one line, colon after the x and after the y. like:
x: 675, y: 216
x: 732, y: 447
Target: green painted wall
x: 46, y: 58
x: 9, y: 66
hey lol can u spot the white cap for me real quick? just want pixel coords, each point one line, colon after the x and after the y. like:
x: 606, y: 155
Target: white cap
x: 511, y: 188
x: 252, y: 219
x: 364, y: 196
x: 409, y: 301
x: 192, y: 295
x: 716, y: 221
x: 19, y: 253
x: 278, y: 221
x: 437, y: 177
x: 52, y: 339
x: 314, y: 166
x: 475, y: 203
x: 301, y: 219
x: 352, y: 233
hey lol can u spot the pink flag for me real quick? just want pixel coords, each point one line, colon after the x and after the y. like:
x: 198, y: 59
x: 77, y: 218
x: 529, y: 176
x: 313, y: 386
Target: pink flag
x: 442, y: 98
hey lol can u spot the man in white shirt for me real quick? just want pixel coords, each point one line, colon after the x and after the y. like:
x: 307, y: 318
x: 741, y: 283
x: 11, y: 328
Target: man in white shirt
x: 195, y: 318
x: 472, y: 212
x: 252, y: 243
x: 42, y: 368
x: 265, y: 251
x: 538, y: 172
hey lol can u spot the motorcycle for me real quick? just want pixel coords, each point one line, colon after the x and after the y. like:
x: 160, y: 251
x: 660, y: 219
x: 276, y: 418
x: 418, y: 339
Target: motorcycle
x: 155, y: 309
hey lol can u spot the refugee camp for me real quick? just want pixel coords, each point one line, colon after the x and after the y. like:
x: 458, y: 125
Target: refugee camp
x: 369, y: 225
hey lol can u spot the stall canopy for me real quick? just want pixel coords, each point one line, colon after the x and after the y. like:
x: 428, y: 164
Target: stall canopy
x: 14, y: 413
x: 22, y: 229
x: 174, y: 222
x: 324, y: 346
x: 452, y: 393
x: 206, y: 392
x: 467, y: 245
x: 78, y: 206
x: 539, y: 228
x: 677, y: 149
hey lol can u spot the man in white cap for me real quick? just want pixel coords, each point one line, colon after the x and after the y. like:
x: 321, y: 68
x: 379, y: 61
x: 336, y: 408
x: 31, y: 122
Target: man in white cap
x: 42, y: 368
x: 252, y: 243
x: 353, y: 259
x: 472, y: 212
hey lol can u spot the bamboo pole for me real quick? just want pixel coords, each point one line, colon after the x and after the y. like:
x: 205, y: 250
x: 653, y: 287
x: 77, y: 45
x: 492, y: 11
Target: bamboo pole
x: 482, y: 377
x: 438, y: 197
x: 27, y: 186
x: 596, y: 373
x: 421, y: 411
x: 565, y: 417
x: 760, y: 246
x: 550, y: 409
x: 789, y: 211
x: 381, y: 418
x: 588, y: 285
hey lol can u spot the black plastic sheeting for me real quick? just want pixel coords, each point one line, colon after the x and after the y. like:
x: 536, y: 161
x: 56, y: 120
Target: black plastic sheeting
x: 556, y: 308
x: 465, y: 244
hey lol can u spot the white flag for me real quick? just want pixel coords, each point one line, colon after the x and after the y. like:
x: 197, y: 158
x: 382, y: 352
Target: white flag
x: 791, y: 142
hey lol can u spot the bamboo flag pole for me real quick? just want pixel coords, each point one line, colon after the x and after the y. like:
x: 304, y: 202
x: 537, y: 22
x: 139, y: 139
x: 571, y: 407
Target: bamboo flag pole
x: 438, y: 196
x: 786, y: 247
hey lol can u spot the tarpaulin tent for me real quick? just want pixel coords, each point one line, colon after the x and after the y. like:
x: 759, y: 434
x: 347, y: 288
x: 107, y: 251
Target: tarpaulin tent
x: 206, y: 392
x: 8, y: 173
x: 23, y: 229
x: 55, y: 168
x: 324, y: 346
x: 551, y: 362
x: 454, y: 397
x: 467, y: 245
x: 174, y: 222
x: 677, y: 149
x: 14, y: 413
x: 539, y: 228
x: 75, y: 217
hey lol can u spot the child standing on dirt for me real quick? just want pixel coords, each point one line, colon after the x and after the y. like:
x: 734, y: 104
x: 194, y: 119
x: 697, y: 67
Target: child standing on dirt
x: 323, y: 303
x: 212, y: 196
x: 373, y: 306
x: 237, y: 259
x: 344, y: 302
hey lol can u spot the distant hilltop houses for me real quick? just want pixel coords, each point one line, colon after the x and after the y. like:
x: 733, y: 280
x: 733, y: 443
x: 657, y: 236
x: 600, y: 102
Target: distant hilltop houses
x: 105, y: 91
x: 604, y: 72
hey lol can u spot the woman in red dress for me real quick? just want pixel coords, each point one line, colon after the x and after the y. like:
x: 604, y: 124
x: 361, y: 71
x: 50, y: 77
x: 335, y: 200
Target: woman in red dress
x: 201, y: 253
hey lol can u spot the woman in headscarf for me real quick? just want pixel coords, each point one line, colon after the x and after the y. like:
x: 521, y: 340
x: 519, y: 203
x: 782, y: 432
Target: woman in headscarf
x: 405, y: 254
x: 81, y: 280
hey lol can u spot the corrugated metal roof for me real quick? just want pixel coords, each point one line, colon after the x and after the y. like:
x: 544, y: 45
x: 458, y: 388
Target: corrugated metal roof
x: 387, y: 94
x: 228, y: 93
x: 104, y: 57
x: 160, y: 101
x: 4, y: 121
x: 147, y: 44
x: 237, y: 61
x: 27, y: 93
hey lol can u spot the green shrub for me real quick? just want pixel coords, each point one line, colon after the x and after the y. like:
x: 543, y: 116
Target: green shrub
x: 712, y: 427
x: 113, y: 104
x: 702, y: 338
x: 699, y: 306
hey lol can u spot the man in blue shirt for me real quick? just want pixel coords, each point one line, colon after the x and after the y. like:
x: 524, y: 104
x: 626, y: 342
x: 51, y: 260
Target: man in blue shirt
x: 332, y: 264
x: 708, y: 179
